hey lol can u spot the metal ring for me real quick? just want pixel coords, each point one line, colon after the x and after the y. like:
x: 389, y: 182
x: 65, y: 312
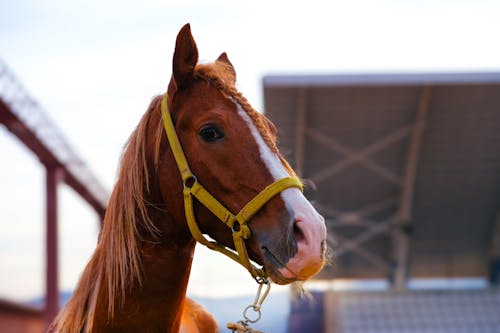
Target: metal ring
x: 190, y: 181
x: 256, y: 310
x: 236, y: 226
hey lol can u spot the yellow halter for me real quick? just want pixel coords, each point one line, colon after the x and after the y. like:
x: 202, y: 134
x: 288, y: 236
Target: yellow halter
x: 239, y: 222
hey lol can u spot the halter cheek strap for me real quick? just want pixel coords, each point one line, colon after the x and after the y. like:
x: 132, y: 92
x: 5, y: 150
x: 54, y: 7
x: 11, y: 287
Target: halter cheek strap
x: 237, y: 223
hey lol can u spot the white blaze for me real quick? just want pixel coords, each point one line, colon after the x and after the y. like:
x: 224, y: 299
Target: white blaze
x: 292, y: 196
x: 310, y: 222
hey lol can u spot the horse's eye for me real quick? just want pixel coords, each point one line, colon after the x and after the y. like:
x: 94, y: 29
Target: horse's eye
x: 211, y: 133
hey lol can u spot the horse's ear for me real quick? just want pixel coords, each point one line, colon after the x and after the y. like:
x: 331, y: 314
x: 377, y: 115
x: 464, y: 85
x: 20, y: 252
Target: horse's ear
x: 185, y: 57
x: 224, y: 59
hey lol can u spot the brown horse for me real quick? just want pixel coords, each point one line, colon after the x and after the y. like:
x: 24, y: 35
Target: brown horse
x: 137, y: 278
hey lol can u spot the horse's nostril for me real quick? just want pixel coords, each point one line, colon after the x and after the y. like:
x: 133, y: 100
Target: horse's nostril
x: 298, y: 233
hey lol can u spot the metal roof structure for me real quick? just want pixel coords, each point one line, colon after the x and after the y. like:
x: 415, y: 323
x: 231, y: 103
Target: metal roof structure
x: 27, y: 120
x: 405, y: 167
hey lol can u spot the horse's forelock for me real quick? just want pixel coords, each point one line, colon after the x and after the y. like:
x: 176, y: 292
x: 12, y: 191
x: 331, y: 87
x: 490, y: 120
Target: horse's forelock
x: 218, y: 71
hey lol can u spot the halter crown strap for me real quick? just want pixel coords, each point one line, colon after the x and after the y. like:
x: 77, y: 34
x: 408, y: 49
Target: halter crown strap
x: 239, y: 222
x: 173, y: 139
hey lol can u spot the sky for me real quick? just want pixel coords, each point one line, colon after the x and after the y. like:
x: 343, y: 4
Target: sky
x: 95, y: 65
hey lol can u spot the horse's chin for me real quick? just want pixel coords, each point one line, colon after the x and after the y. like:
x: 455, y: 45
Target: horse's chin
x: 277, y: 277
x: 295, y: 270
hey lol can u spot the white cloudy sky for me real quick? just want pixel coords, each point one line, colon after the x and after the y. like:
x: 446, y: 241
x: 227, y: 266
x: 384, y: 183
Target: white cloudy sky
x: 95, y: 65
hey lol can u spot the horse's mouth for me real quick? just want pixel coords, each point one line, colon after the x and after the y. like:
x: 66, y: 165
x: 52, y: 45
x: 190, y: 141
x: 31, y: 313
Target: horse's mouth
x: 272, y: 265
x: 283, y: 273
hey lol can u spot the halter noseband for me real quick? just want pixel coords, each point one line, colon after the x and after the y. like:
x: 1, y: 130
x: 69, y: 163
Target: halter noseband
x: 239, y: 222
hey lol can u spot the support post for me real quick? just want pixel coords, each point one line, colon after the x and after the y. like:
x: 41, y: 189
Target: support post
x: 495, y: 253
x: 53, y: 176
x: 400, y: 235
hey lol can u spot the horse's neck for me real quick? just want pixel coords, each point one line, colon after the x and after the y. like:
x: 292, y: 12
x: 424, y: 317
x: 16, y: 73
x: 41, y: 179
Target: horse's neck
x: 155, y: 303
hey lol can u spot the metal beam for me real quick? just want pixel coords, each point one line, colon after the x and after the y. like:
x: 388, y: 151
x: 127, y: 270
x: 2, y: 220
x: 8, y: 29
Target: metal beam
x: 53, y: 177
x: 27, y: 120
x: 340, y: 148
x: 377, y: 228
x: 358, y: 219
x: 378, y: 206
x: 371, y: 257
x: 495, y: 252
x: 355, y: 217
x: 361, y: 156
x: 400, y: 238
x: 495, y: 238
x: 300, y: 131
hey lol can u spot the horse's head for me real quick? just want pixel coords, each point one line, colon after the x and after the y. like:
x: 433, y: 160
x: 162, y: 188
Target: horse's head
x: 231, y: 149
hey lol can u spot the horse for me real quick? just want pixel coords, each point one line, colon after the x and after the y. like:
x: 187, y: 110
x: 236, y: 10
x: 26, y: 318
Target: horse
x: 199, y: 153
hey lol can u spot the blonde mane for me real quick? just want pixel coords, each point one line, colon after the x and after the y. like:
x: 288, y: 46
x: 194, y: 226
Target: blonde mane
x: 116, y: 263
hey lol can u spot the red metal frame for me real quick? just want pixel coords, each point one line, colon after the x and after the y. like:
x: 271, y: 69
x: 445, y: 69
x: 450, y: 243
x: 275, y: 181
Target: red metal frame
x: 52, y: 268
x: 22, y: 116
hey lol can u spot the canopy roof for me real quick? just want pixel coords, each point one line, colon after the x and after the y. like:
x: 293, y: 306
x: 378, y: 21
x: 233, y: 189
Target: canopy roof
x: 406, y: 168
